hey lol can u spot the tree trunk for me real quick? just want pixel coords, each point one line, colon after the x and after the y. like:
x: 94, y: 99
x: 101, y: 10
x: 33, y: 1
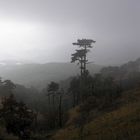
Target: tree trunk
x: 85, y: 60
x: 60, y: 111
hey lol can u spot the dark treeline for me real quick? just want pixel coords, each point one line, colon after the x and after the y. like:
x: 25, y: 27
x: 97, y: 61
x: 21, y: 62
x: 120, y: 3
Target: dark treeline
x: 31, y: 114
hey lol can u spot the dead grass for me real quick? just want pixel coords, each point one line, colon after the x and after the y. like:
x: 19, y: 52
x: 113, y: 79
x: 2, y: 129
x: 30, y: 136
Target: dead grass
x: 120, y: 124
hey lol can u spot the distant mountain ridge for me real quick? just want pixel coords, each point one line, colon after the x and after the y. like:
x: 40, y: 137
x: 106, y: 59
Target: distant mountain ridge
x: 13, y: 62
x: 123, y: 70
x: 38, y: 75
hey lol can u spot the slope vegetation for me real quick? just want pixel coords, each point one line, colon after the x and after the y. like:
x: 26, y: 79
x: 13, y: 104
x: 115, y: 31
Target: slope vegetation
x: 122, y: 123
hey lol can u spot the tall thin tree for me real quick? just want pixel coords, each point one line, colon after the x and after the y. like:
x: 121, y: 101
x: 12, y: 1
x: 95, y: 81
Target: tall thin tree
x: 81, y: 54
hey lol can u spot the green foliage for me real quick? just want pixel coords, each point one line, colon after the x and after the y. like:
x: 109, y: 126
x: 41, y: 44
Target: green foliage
x: 105, y: 86
x: 54, y: 114
x: 74, y: 89
x: 6, y: 87
x: 127, y: 75
x: 53, y: 87
x: 17, y: 116
x: 98, y: 86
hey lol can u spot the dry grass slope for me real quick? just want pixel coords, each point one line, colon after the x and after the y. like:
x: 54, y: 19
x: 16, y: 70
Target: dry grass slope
x: 120, y: 124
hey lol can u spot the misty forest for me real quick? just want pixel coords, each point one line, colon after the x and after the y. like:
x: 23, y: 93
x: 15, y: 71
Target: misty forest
x: 69, y: 70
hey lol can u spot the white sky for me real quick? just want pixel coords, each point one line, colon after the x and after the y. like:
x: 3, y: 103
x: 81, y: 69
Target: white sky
x: 43, y: 30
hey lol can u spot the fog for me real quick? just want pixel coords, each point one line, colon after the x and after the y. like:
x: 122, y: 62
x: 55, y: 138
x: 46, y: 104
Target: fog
x: 43, y: 30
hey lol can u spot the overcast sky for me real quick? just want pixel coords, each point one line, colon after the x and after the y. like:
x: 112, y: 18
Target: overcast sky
x: 43, y: 30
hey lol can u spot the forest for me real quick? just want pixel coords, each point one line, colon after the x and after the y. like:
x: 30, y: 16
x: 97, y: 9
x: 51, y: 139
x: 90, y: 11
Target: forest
x: 69, y: 69
x: 100, y: 106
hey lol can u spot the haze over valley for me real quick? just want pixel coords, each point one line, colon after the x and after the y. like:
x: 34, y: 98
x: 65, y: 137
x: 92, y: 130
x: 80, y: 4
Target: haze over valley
x: 69, y: 69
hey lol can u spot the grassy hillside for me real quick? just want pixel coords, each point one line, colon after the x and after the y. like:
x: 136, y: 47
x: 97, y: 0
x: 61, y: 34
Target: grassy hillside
x: 122, y: 123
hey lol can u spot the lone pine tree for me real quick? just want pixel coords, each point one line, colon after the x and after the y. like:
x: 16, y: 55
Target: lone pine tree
x: 81, y: 54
